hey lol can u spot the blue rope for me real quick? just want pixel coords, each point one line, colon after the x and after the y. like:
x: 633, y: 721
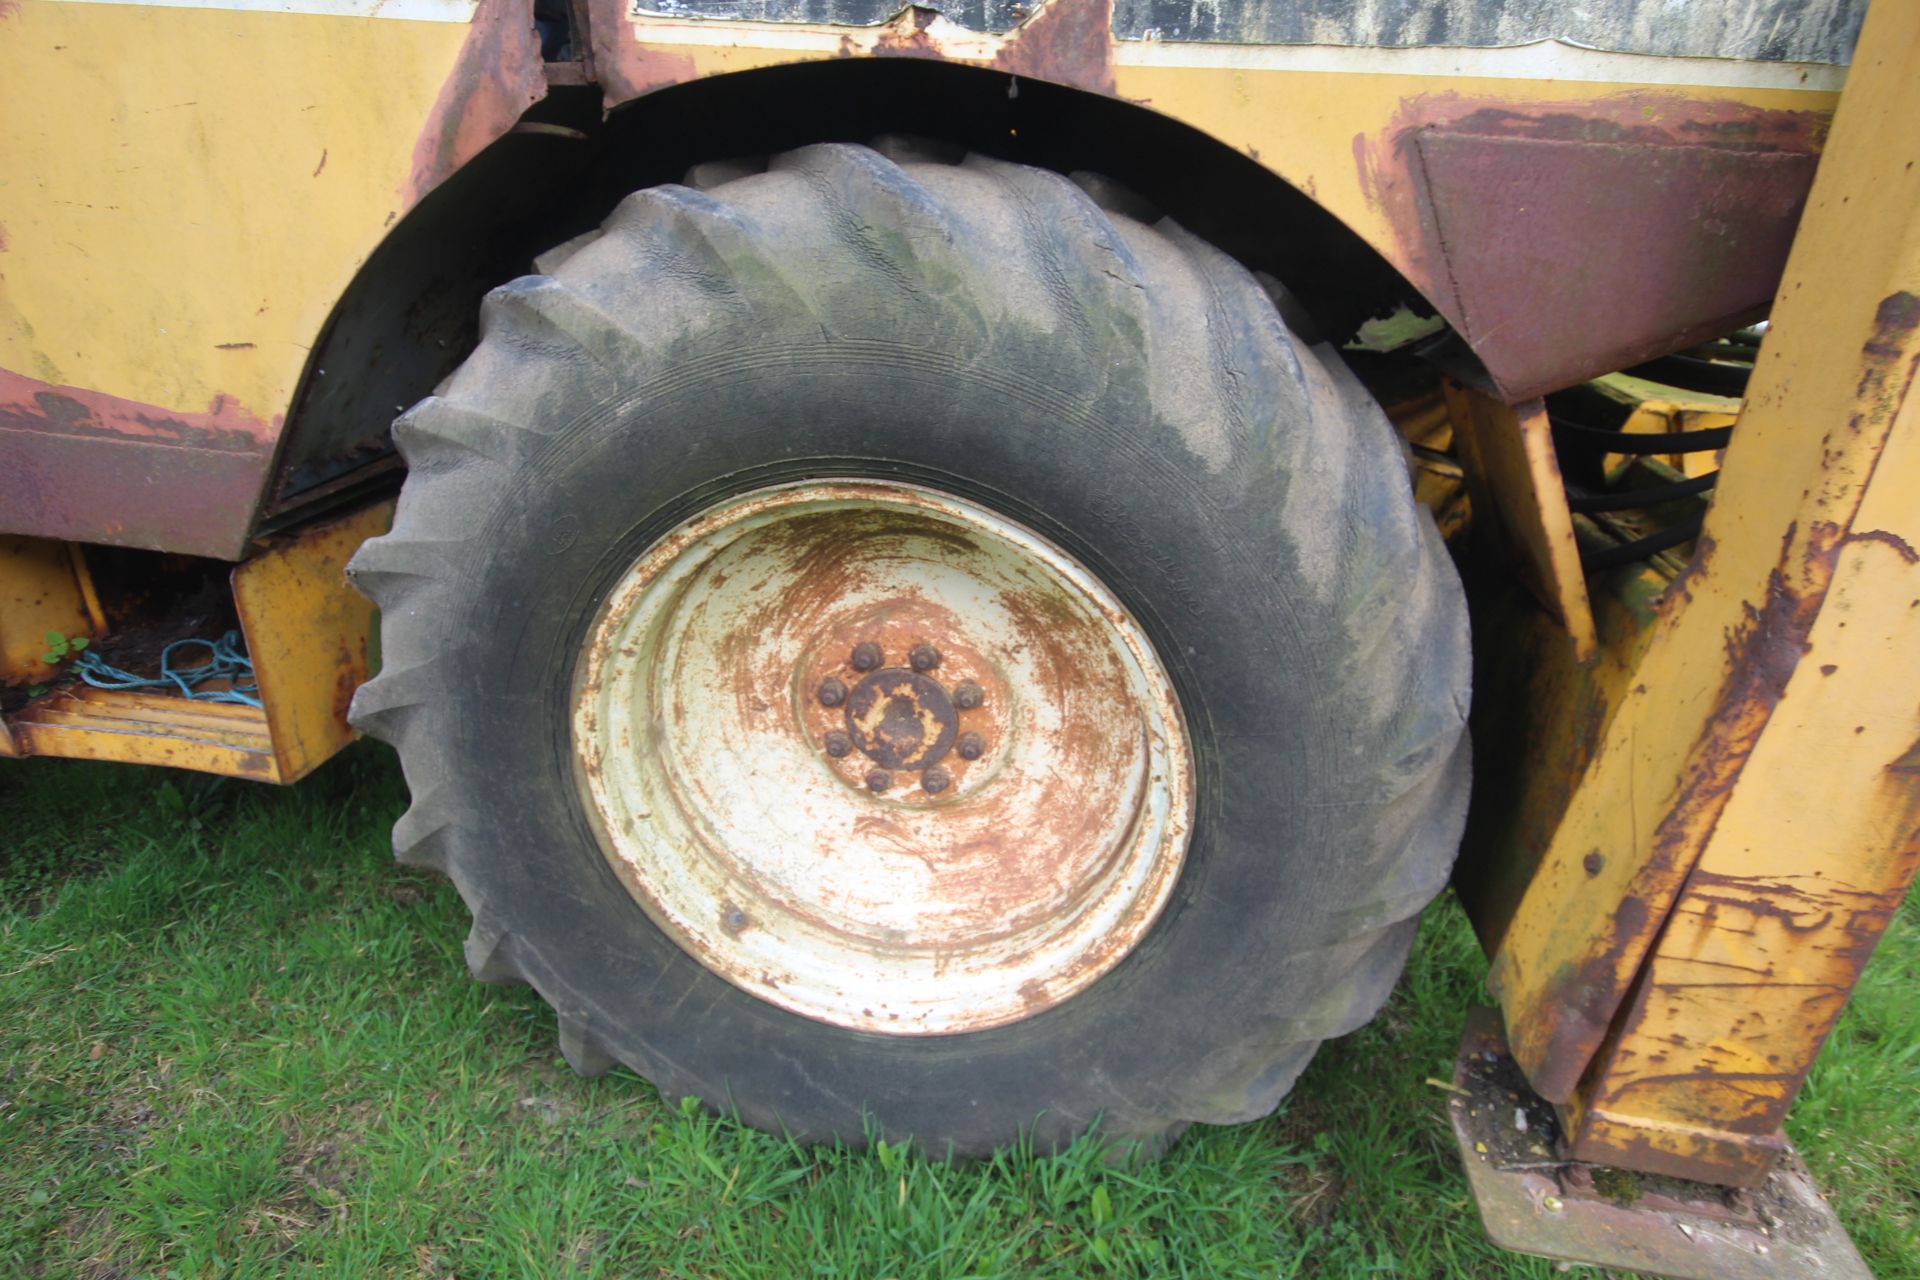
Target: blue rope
x: 227, y: 662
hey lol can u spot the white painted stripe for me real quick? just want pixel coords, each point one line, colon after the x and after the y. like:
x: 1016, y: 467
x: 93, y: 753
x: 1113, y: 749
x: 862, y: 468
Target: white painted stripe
x: 1544, y: 60
x: 408, y: 10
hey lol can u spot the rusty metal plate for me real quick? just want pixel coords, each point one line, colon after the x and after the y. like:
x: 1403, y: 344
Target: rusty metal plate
x: 882, y: 758
x: 1531, y: 1201
x: 1556, y: 271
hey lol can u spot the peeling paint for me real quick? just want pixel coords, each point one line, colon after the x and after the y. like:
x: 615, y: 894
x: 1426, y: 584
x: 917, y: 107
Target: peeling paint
x: 497, y: 76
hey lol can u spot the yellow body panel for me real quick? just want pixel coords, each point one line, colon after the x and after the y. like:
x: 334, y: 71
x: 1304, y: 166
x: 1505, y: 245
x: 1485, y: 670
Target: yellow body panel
x: 185, y: 193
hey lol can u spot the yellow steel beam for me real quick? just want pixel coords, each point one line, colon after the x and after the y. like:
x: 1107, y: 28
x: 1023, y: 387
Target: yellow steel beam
x: 1514, y: 479
x: 307, y: 632
x: 1754, y: 792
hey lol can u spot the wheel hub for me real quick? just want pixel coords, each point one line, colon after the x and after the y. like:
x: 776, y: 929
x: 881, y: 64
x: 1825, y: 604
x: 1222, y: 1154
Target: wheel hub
x: 882, y: 758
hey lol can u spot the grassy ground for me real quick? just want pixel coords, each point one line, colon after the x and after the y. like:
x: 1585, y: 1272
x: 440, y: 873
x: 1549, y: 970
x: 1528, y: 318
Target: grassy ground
x: 235, y: 1039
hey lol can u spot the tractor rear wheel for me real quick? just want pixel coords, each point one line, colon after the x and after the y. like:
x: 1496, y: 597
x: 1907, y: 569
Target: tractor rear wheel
x: 887, y: 639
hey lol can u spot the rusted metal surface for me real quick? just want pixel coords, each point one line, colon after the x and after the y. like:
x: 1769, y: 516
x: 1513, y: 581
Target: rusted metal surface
x: 1534, y: 1199
x: 902, y: 719
x: 1543, y: 233
x: 1748, y: 795
x: 1514, y: 478
x: 840, y: 860
x: 82, y: 466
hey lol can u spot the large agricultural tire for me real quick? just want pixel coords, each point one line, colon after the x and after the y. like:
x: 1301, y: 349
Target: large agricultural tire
x: 1120, y: 397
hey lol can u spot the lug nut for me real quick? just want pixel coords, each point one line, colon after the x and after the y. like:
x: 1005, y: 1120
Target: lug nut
x: 935, y: 780
x: 967, y: 695
x: 866, y: 656
x: 970, y: 746
x: 879, y: 780
x: 838, y: 744
x: 923, y: 657
x: 832, y: 692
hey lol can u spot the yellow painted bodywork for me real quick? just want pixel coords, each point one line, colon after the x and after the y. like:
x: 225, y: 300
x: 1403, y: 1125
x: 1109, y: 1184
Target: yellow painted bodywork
x: 306, y: 630
x: 185, y: 193
x: 1755, y: 788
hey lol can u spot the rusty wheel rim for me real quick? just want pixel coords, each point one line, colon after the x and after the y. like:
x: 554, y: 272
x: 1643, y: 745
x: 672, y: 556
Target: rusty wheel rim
x: 882, y: 758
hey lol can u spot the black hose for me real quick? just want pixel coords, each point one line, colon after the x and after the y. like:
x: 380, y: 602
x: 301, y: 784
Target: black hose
x: 1701, y: 441
x: 1638, y: 499
x: 1691, y: 373
x: 1639, y: 548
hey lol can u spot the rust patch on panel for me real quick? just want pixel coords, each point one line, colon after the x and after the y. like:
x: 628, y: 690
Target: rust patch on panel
x: 85, y: 466
x: 626, y: 68
x: 1563, y: 240
x: 1067, y: 42
x: 28, y: 404
x: 497, y: 76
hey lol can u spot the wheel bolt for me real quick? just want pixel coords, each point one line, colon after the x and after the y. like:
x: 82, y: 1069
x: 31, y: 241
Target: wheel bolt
x: 967, y: 695
x: 838, y: 744
x: 866, y: 656
x: 832, y: 692
x: 970, y: 746
x: 935, y: 780
x: 879, y: 780
x: 923, y: 657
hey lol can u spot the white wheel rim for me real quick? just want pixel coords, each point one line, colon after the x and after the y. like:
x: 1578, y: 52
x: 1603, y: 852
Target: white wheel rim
x: 703, y: 750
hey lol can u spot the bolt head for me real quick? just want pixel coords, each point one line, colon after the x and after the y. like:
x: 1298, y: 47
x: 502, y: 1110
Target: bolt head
x: 838, y: 744
x: 923, y: 657
x: 967, y: 695
x: 879, y: 780
x: 832, y: 692
x: 935, y: 780
x: 866, y: 656
x: 971, y: 746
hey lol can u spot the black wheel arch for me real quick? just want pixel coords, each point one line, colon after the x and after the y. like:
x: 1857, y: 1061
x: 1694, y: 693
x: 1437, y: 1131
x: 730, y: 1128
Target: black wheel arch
x: 408, y: 318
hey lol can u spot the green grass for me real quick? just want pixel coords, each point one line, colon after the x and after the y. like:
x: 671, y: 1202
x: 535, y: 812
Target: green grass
x: 235, y: 1039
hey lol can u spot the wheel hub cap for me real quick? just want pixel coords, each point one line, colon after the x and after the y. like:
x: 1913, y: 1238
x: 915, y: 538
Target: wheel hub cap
x: 882, y: 758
